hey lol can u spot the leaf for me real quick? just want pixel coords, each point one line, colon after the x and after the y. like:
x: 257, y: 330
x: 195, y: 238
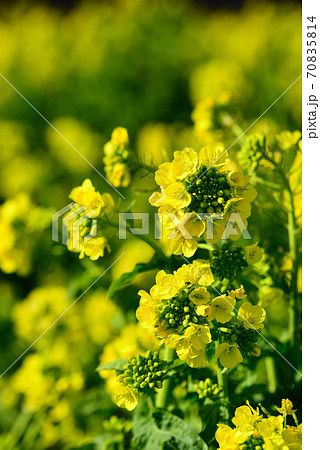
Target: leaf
x: 163, y: 430
x: 127, y: 277
x: 210, y: 416
x: 117, y: 364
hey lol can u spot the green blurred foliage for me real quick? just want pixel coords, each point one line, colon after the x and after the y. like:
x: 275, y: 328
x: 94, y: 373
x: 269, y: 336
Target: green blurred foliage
x: 145, y: 66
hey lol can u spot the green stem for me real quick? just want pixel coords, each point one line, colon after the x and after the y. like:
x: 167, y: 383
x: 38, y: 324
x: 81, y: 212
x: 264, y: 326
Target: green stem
x: 223, y: 385
x: 163, y: 395
x: 293, y: 303
x: 271, y: 374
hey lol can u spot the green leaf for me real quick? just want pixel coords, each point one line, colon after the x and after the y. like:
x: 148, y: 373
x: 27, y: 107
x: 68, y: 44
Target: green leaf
x: 127, y: 277
x: 210, y: 417
x: 117, y: 364
x: 163, y: 430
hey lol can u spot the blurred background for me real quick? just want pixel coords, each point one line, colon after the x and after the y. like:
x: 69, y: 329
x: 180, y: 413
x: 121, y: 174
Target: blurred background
x: 153, y: 67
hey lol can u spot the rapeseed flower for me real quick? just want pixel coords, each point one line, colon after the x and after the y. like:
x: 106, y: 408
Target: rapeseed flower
x: 252, y: 430
x: 196, y: 190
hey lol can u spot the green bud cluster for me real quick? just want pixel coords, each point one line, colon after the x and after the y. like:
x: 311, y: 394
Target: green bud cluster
x: 252, y: 150
x: 228, y: 261
x: 178, y: 312
x: 206, y: 388
x: 209, y: 192
x: 253, y: 443
x: 246, y: 339
x: 144, y: 372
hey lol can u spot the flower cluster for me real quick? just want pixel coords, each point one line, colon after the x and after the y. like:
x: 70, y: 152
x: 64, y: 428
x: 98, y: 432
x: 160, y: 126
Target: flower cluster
x: 241, y: 337
x: 252, y: 150
x: 182, y: 311
x: 253, y: 431
x: 142, y: 374
x: 83, y: 238
x: 116, y: 158
x: 207, y: 389
x: 18, y: 216
x: 199, y: 194
x: 229, y: 260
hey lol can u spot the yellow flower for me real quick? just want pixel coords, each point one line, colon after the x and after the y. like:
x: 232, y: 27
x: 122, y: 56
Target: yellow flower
x: 287, y: 140
x: 239, y: 293
x: 271, y: 426
x: 126, y: 396
x: 171, y: 311
x: 253, y: 253
x: 184, y: 163
x: 146, y: 312
x: 190, y: 346
x: 252, y: 316
x: 167, y: 285
x: 286, y: 407
x: 229, y: 355
x: 200, y: 296
x: 230, y: 438
x: 94, y: 248
x: 120, y: 136
x: 292, y: 436
x: 219, y: 309
x: 198, y: 335
x: 245, y: 418
x: 87, y: 196
x: 199, y: 272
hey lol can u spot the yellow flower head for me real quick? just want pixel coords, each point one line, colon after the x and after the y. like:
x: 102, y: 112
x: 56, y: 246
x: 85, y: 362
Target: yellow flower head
x: 286, y: 407
x: 270, y: 426
x: 200, y: 296
x: 245, y: 418
x: 238, y: 293
x: 199, y: 184
x: 229, y: 355
x: 126, y: 396
x: 251, y: 316
x: 87, y: 196
x: 219, y: 309
x: 94, y: 248
x: 171, y: 310
x: 230, y: 438
x: 292, y: 437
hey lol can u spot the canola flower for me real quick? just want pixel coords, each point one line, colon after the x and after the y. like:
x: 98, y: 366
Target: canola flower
x: 94, y: 204
x: 19, y: 216
x: 182, y: 311
x: 117, y: 157
x: 141, y: 375
x: 254, y: 431
x: 230, y: 260
x: 201, y: 195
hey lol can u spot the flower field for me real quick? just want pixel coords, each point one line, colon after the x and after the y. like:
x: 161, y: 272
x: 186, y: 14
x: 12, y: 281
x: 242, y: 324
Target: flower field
x: 150, y: 217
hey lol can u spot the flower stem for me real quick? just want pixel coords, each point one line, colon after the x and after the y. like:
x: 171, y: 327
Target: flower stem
x: 223, y: 385
x: 163, y: 395
x: 291, y: 227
